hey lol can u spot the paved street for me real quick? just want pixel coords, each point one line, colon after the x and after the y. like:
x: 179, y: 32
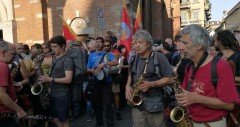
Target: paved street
x: 125, y: 122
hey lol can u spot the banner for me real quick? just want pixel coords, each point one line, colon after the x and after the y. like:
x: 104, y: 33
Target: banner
x: 126, y: 32
x: 138, y: 21
x: 68, y: 33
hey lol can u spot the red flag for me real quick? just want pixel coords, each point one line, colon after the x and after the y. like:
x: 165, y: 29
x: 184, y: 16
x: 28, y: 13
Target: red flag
x: 126, y: 32
x: 68, y: 33
x: 138, y: 21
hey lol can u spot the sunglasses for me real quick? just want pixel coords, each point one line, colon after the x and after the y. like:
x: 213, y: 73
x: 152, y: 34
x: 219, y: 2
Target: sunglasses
x: 106, y: 46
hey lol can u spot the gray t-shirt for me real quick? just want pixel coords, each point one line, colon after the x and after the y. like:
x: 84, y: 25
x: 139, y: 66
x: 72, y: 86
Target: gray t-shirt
x: 165, y: 67
x: 59, y: 66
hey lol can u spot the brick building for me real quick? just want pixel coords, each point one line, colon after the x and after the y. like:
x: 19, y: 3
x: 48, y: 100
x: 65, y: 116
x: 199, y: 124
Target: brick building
x: 35, y: 21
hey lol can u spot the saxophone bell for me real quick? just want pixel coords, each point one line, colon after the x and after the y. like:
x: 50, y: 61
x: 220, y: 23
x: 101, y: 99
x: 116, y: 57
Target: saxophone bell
x: 137, y: 100
x: 177, y: 114
x: 36, y: 88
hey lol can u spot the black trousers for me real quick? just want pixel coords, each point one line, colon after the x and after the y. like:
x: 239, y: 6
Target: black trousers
x: 76, y: 95
x: 8, y: 122
x: 102, y: 95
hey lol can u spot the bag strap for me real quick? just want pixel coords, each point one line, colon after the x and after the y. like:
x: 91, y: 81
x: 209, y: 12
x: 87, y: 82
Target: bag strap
x: 214, y: 77
x: 102, y: 57
x: 54, y: 63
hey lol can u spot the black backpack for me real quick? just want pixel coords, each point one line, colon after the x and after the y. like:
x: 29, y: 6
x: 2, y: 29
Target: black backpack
x: 79, y: 59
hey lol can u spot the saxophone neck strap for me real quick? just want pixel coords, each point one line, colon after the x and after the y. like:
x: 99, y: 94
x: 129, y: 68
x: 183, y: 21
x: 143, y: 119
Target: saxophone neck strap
x: 146, y: 62
x: 200, y: 62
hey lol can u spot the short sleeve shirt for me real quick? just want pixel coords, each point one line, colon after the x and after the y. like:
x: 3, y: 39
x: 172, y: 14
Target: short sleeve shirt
x: 165, y: 67
x: 202, y: 85
x: 94, y: 61
x: 6, y: 82
x: 59, y: 66
x: 236, y: 58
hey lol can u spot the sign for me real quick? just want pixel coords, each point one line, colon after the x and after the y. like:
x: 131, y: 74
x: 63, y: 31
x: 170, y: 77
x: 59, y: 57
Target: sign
x: 100, y: 17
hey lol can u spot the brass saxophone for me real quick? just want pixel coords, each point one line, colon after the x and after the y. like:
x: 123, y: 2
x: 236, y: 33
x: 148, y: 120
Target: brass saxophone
x: 179, y: 114
x: 40, y: 89
x: 136, y: 98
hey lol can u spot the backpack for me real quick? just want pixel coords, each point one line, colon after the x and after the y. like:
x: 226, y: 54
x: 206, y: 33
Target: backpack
x: 167, y: 91
x: 78, y: 57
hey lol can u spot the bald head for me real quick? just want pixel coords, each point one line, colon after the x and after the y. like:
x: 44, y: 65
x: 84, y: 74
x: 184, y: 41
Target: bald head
x: 19, y: 47
x: 7, y: 52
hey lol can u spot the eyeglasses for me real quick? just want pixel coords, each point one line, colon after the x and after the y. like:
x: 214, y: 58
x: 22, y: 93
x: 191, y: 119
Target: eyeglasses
x: 106, y: 46
x: 45, y: 47
x: 12, y: 52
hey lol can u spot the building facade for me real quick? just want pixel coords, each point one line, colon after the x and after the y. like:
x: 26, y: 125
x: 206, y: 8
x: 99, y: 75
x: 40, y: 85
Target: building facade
x: 232, y: 19
x: 195, y: 12
x: 35, y: 21
x: 214, y: 25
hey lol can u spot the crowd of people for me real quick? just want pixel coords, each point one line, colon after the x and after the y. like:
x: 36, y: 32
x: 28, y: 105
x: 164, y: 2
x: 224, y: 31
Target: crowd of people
x: 51, y: 83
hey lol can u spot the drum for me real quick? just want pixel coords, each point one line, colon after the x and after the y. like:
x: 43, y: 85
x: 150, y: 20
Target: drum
x: 102, y: 73
x: 114, y: 69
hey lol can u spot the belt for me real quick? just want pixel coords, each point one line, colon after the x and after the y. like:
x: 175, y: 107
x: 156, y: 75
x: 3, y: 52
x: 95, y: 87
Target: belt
x: 215, y: 120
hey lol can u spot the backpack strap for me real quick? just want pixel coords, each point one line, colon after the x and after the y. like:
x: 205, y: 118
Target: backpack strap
x: 156, y: 65
x: 214, y: 77
x: 190, y: 64
x: 131, y: 66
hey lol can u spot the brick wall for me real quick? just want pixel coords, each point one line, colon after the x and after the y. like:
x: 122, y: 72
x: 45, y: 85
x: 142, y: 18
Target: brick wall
x: 28, y: 15
x: 39, y: 20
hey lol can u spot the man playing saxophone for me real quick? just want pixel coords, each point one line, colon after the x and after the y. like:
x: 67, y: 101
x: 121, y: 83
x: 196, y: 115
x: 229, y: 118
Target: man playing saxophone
x: 59, y: 81
x: 207, y: 105
x: 149, y: 110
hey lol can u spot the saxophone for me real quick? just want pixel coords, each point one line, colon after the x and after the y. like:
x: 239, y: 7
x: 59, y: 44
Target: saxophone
x: 40, y: 89
x: 179, y: 114
x: 137, y: 98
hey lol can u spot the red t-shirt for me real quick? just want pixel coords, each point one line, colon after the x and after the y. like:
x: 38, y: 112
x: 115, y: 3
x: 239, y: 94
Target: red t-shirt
x: 6, y: 82
x: 202, y: 85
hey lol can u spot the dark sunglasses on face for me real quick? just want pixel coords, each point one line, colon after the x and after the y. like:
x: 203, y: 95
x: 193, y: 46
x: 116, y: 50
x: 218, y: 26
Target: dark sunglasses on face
x: 106, y: 46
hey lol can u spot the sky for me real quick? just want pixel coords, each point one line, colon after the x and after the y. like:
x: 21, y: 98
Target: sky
x: 219, y: 5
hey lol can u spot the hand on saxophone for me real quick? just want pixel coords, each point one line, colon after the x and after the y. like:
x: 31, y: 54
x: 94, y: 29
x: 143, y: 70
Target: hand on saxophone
x: 186, y: 98
x: 45, y: 78
x: 145, y: 86
x: 17, y: 86
x: 128, y: 92
x: 21, y: 113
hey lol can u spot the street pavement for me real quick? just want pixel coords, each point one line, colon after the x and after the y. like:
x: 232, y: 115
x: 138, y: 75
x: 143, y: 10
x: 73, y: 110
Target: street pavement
x: 125, y: 122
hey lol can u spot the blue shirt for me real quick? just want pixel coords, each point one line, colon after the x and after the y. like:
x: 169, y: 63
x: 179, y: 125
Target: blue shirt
x: 94, y: 61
